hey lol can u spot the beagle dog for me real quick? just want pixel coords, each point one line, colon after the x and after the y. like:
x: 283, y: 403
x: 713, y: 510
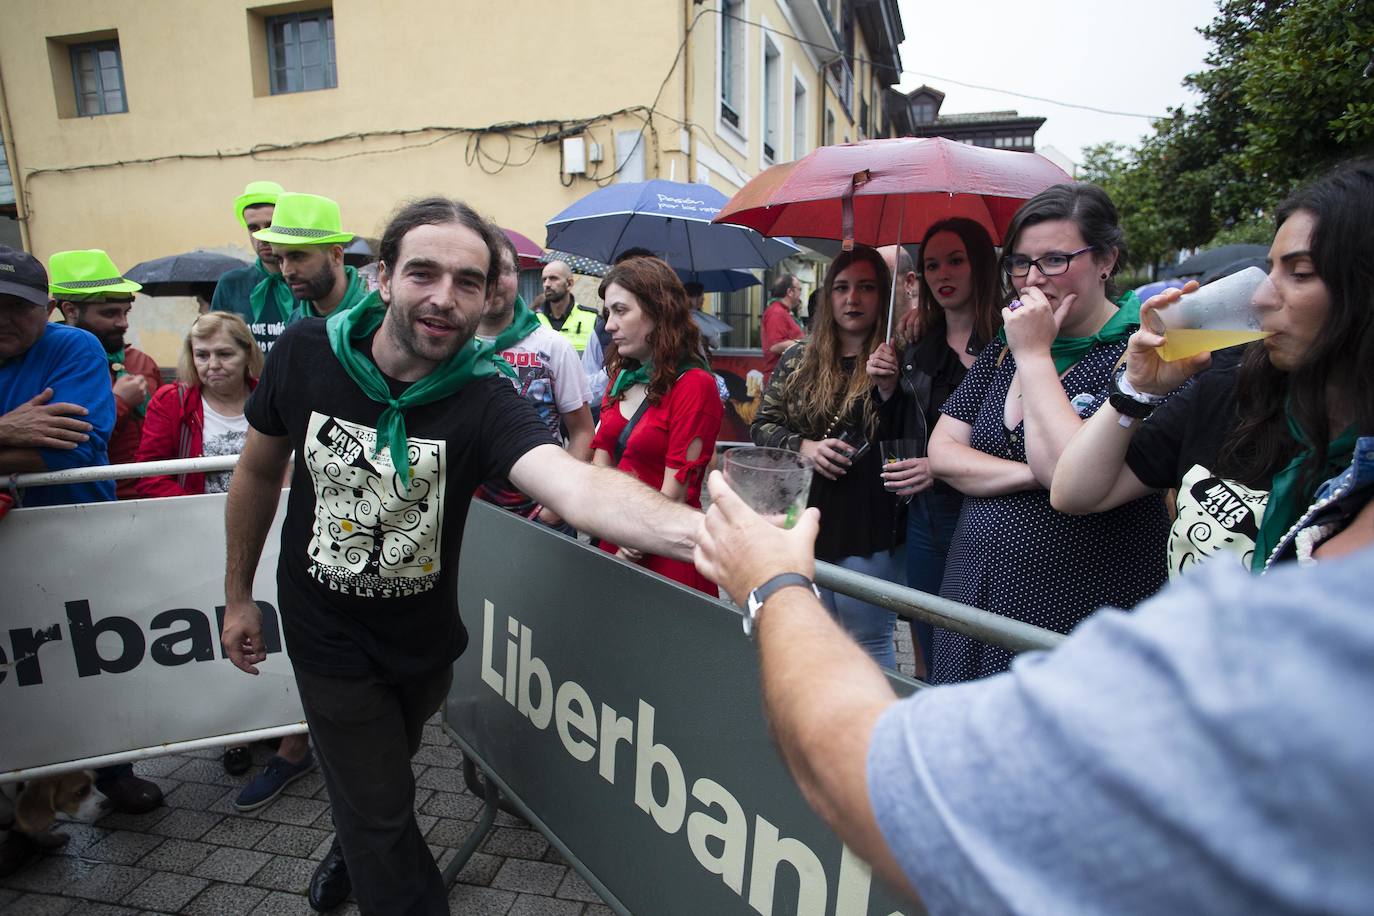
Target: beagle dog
x: 29, y: 810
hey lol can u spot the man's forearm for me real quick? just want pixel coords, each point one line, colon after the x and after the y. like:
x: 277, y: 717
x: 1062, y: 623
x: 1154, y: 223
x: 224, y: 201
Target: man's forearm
x: 21, y: 461
x: 616, y: 506
x: 823, y: 696
x: 248, y: 515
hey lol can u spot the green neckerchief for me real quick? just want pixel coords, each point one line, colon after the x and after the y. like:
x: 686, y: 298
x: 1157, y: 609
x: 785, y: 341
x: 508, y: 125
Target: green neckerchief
x: 1286, y: 502
x: 355, y: 291
x: 117, y: 367
x: 628, y: 378
x: 523, y: 323
x: 1067, y: 351
x: 472, y: 361
x: 274, y: 287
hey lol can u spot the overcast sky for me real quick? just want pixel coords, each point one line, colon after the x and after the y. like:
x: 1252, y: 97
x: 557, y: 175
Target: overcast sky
x: 1120, y: 56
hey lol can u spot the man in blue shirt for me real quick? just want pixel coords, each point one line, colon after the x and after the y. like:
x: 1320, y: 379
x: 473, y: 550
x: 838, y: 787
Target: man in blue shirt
x: 1207, y: 753
x: 56, y: 406
x: 57, y: 411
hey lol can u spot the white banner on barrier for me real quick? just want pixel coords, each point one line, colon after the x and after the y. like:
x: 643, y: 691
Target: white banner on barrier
x: 109, y: 634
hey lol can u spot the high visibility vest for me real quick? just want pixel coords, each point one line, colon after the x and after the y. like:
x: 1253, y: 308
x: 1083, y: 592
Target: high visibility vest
x: 578, y: 326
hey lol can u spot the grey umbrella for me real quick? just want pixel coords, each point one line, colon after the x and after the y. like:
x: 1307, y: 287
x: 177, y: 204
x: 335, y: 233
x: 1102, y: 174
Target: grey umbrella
x: 1209, y: 260
x: 188, y: 274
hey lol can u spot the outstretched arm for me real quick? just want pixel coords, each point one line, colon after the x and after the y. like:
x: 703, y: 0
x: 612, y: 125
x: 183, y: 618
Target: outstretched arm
x: 607, y: 502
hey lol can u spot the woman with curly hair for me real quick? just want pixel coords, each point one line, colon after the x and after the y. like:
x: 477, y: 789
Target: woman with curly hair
x: 818, y: 404
x: 661, y: 413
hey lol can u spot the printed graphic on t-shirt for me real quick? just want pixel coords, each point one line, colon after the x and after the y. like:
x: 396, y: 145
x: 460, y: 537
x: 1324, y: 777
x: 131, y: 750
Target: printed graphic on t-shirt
x: 1214, y: 516
x: 229, y: 442
x: 266, y: 333
x: 534, y: 382
x: 373, y: 538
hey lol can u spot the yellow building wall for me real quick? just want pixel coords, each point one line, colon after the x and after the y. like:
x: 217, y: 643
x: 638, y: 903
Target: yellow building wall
x: 161, y: 178
x: 402, y: 66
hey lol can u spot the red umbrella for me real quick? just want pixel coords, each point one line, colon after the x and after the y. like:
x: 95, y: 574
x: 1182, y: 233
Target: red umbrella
x: 528, y: 251
x: 893, y: 190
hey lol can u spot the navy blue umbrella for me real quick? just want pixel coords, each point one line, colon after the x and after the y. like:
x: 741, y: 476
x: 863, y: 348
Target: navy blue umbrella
x: 720, y: 281
x: 669, y: 218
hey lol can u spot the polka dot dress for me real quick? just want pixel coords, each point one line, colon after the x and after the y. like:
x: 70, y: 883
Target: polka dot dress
x: 1014, y: 555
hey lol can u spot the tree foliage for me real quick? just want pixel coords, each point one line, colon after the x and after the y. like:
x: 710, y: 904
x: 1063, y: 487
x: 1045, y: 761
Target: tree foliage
x: 1287, y: 93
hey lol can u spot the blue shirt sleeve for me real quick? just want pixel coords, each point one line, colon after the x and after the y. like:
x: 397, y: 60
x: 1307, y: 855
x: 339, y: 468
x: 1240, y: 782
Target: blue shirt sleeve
x: 1206, y: 754
x: 72, y: 363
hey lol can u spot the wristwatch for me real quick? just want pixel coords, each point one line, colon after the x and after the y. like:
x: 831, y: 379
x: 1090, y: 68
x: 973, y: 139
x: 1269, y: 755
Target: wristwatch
x: 1131, y: 404
x: 754, y: 603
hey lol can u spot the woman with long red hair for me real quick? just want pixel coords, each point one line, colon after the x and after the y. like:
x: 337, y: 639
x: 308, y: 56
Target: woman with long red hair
x: 662, y: 412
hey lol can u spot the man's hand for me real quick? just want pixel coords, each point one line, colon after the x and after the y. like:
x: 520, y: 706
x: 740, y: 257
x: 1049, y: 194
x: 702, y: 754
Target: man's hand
x: 739, y: 550
x: 547, y: 516
x: 38, y: 424
x: 882, y: 369
x: 131, y: 389
x: 242, y: 635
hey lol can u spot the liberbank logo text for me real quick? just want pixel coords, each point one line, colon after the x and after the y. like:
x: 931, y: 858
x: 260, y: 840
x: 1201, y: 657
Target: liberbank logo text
x: 722, y: 836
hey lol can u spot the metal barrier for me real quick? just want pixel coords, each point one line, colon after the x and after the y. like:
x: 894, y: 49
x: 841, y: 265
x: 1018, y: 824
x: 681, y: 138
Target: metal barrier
x: 122, y: 471
x: 984, y: 626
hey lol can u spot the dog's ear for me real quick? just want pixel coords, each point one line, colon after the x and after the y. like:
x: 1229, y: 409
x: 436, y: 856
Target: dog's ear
x: 34, y: 812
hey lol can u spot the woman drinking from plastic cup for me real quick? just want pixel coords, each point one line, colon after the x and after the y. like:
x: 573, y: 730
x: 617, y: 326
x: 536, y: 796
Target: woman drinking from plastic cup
x: 818, y: 404
x: 958, y: 311
x: 1004, y: 428
x: 1246, y: 445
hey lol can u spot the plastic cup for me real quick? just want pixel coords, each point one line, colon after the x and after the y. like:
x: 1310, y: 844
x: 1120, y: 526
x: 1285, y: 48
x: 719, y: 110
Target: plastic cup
x: 774, y: 482
x: 1217, y: 316
x: 893, y: 450
x: 890, y: 450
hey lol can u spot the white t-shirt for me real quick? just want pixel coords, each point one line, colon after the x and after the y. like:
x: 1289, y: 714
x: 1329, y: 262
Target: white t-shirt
x: 220, y: 435
x: 549, y: 374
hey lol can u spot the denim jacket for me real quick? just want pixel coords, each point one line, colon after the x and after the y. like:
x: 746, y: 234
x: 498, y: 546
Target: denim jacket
x: 1336, y: 503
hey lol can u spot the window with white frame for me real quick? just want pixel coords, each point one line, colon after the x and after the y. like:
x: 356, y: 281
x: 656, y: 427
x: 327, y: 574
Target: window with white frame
x: 798, y: 119
x: 772, y: 114
x: 98, y: 77
x: 300, y: 48
x: 732, y: 73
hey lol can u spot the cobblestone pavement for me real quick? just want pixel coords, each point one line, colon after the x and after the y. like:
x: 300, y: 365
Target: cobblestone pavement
x: 197, y: 855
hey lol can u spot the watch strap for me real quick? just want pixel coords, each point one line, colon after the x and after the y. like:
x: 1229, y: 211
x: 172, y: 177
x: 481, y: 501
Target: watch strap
x: 762, y: 593
x: 1127, y: 401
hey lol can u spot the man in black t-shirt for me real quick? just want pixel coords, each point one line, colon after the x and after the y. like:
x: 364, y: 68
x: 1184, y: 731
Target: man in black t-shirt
x: 394, y: 415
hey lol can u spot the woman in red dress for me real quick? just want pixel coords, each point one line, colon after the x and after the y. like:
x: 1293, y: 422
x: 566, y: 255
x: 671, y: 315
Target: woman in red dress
x: 662, y: 389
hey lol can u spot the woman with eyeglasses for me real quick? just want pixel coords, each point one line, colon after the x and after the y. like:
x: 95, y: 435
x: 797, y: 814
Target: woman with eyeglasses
x: 817, y: 403
x: 1003, y: 429
x: 958, y: 310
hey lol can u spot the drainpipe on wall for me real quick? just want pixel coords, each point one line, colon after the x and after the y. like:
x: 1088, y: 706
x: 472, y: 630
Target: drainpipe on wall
x: 12, y: 158
x: 687, y: 92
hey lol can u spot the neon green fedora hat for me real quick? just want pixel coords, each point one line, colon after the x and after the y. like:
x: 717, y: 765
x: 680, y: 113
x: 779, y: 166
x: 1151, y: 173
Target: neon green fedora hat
x: 85, y: 273
x: 305, y: 219
x: 254, y: 194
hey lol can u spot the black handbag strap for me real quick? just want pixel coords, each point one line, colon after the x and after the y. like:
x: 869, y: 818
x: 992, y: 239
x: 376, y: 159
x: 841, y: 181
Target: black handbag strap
x: 624, y: 439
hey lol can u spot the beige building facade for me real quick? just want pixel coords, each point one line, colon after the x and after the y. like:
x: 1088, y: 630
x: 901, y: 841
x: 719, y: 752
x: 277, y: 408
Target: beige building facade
x: 131, y: 125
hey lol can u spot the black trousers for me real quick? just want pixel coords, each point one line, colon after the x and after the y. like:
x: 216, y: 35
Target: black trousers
x: 365, y: 731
